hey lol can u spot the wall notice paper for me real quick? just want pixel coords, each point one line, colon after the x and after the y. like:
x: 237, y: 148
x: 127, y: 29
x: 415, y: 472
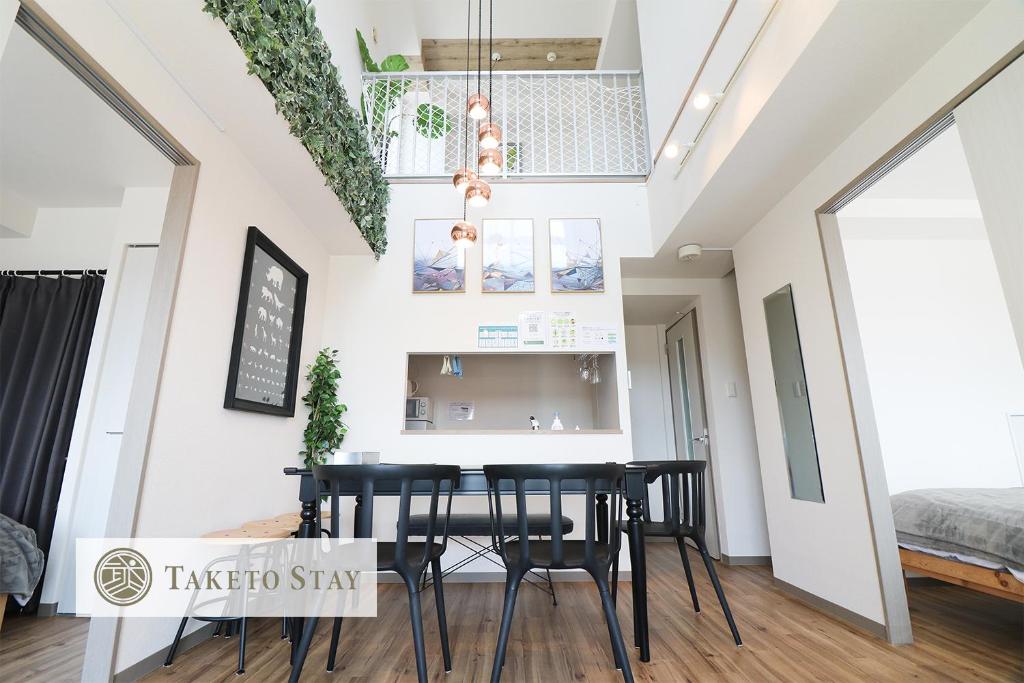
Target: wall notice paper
x: 460, y: 411
x: 599, y: 336
x: 533, y: 329
x: 497, y: 336
x: 562, y: 329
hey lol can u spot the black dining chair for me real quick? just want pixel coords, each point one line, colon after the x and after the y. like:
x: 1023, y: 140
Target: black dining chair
x: 683, y: 505
x: 409, y: 559
x: 593, y: 553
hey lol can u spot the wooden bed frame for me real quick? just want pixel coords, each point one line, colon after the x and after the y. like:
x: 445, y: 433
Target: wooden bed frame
x: 996, y: 582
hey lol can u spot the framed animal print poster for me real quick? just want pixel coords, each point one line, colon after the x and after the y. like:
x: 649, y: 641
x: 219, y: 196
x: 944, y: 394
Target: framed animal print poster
x: 264, y: 367
x: 577, y: 262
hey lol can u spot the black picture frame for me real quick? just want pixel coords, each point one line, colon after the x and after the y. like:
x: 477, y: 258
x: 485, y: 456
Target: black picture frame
x: 247, y: 319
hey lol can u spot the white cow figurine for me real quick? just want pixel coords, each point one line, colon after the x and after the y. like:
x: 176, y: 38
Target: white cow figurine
x: 275, y: 276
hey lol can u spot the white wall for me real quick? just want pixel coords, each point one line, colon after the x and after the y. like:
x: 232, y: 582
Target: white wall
x: 739, y: 505
x: 650, y: 406
x: 199, y: 450
x: 72, y: 239
x: 375, y: 319
x: 827, y: 549
x: 939, y: 348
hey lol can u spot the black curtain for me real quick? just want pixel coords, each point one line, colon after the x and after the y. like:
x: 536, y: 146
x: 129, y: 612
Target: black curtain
x: 46, y: 327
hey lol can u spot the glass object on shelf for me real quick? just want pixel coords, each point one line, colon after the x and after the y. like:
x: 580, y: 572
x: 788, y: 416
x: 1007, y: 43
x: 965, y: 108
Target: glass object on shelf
x: 791, y: 390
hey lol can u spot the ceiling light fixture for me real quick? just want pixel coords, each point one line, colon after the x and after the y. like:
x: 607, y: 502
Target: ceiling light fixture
x: 689, y: 252
x: 478, y: 193
x: 490, y: 162
x: 703, y: 100
x: 671, y: 150
x: 464, y: 234
x: 490, y: 135
x: 462, y: 178
x: 551, y: 57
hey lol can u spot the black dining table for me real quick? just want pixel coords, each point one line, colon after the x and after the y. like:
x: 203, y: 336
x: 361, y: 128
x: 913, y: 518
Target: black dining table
x: 473, y: 483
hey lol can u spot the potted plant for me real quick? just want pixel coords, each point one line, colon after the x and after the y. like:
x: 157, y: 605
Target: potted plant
x: 325, y: 430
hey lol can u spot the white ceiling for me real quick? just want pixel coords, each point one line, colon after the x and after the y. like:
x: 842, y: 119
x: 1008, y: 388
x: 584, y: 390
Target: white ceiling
x: 665, y: 264
x: 658, y: 309
x: 401, y: 24
x: 60, y: 145
x: 859, y: 57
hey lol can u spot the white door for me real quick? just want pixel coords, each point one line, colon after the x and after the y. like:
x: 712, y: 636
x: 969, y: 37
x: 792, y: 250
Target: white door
x: 689, y: 416
x: 114, y: 384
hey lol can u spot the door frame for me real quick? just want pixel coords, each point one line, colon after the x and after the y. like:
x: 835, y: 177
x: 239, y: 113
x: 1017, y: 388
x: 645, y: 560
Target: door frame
x: 712, y: 445
x: 895, y: 610
x: 104, y: 634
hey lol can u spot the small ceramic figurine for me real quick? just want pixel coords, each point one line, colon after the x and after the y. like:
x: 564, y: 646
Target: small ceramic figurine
x: 534, y: 424
x: 556, y: 424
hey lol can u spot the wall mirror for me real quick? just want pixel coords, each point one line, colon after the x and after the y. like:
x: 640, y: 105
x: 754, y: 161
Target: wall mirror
x: 791, y: 390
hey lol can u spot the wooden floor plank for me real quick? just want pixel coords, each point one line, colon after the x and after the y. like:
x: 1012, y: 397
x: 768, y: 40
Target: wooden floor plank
x: 959, y: 635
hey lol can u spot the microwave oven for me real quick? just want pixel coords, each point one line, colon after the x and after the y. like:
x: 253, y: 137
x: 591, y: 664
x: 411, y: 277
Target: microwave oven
x: 419, y: 408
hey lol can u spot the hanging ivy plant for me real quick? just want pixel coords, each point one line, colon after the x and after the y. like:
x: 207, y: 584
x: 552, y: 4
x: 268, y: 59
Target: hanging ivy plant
x: 286, y: 50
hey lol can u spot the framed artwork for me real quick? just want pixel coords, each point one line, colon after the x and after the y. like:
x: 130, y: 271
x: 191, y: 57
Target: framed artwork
x: 508, y: 255
x: 264, y: 367
x: 577, y: 263
x: 437, y: 264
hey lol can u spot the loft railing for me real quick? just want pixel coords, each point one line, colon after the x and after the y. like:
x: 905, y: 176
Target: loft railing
x: 554, y: 123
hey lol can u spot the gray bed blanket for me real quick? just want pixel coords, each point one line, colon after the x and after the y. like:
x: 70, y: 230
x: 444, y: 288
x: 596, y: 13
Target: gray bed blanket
x: 21, y: 562
x: 985, y: 523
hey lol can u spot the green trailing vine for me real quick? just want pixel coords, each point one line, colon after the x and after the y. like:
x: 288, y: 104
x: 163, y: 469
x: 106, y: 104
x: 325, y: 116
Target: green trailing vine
x: 325, y: 431
x: 286, y: 50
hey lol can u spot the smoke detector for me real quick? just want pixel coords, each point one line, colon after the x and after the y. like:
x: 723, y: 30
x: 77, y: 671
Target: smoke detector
x: 689, y: 252
x: 552, y: 56
x: 495, y: 56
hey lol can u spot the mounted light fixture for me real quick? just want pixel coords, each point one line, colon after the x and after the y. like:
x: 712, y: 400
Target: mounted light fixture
x: 490, y: 135
x: 478, y: 193
x: 671, y: 150
x: 490, y: 162
x: 462, y: 178
x: 464, y: 234
x: 703, y: 100
x: 478, y: 107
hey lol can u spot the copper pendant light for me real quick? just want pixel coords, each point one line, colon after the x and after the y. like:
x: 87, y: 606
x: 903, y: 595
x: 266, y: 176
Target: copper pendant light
x: 478, y: 194
x: 478, y: 106
x: 490, y: 162
x: 490, y: 135
x: 464, y: 234
x: 462, y: 178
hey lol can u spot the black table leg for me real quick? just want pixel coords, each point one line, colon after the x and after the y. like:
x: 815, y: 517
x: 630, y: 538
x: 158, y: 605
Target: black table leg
x: 602, y: 518
x: 638, y: 559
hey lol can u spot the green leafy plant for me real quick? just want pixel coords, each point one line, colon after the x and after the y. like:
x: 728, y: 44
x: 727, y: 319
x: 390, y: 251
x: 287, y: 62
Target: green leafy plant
x: 325, y: 431
x: 431, y: 120
x: 286, y: 50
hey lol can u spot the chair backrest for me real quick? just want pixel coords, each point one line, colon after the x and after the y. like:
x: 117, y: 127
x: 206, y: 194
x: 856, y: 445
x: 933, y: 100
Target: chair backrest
x: 591, y: 478
x: 682, y: 492
x: 402, y: 481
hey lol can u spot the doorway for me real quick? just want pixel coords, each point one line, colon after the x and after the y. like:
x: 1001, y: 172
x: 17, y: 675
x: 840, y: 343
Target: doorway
x: 689, y: 410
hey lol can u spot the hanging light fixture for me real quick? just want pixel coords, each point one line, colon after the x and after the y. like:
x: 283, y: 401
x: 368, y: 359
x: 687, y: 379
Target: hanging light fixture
x: 478, y: 193
x: 464, y: 234
x: 462, y: 178
x: 478, y: 106
x: 490, y: 162
x: 490, y: 135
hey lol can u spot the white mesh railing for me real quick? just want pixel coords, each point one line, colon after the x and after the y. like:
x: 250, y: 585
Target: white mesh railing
x: 553, y: 123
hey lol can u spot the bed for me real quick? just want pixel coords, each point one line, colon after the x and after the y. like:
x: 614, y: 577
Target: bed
x: 969, y: 537
x: 21, y: 563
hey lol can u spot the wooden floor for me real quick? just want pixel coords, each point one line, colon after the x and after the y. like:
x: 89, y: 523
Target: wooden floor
x: 960, y: 636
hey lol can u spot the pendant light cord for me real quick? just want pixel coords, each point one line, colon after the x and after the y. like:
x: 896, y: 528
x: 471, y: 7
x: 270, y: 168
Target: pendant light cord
x: 479, y: 41
x: 465, y: 144
x: 490, y: 62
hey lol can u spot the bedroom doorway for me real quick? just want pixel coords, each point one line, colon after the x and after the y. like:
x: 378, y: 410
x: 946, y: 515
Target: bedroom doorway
x: 928, y: 230
x: 689, y: 410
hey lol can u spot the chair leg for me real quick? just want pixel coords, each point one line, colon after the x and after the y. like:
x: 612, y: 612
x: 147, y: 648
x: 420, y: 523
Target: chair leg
x: 284, y: 627
x: 302, y: 649
x: 442, y: 619
x: 177, y: 639
x: 551, y: 585
x: 615, y: 579
x: 702, y: 546
x: 681, y: 542
x: 511, y: 591
x: 614, y: 632
x: 416, y: 617
x: 241, y: 646
x: 335, y: 637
